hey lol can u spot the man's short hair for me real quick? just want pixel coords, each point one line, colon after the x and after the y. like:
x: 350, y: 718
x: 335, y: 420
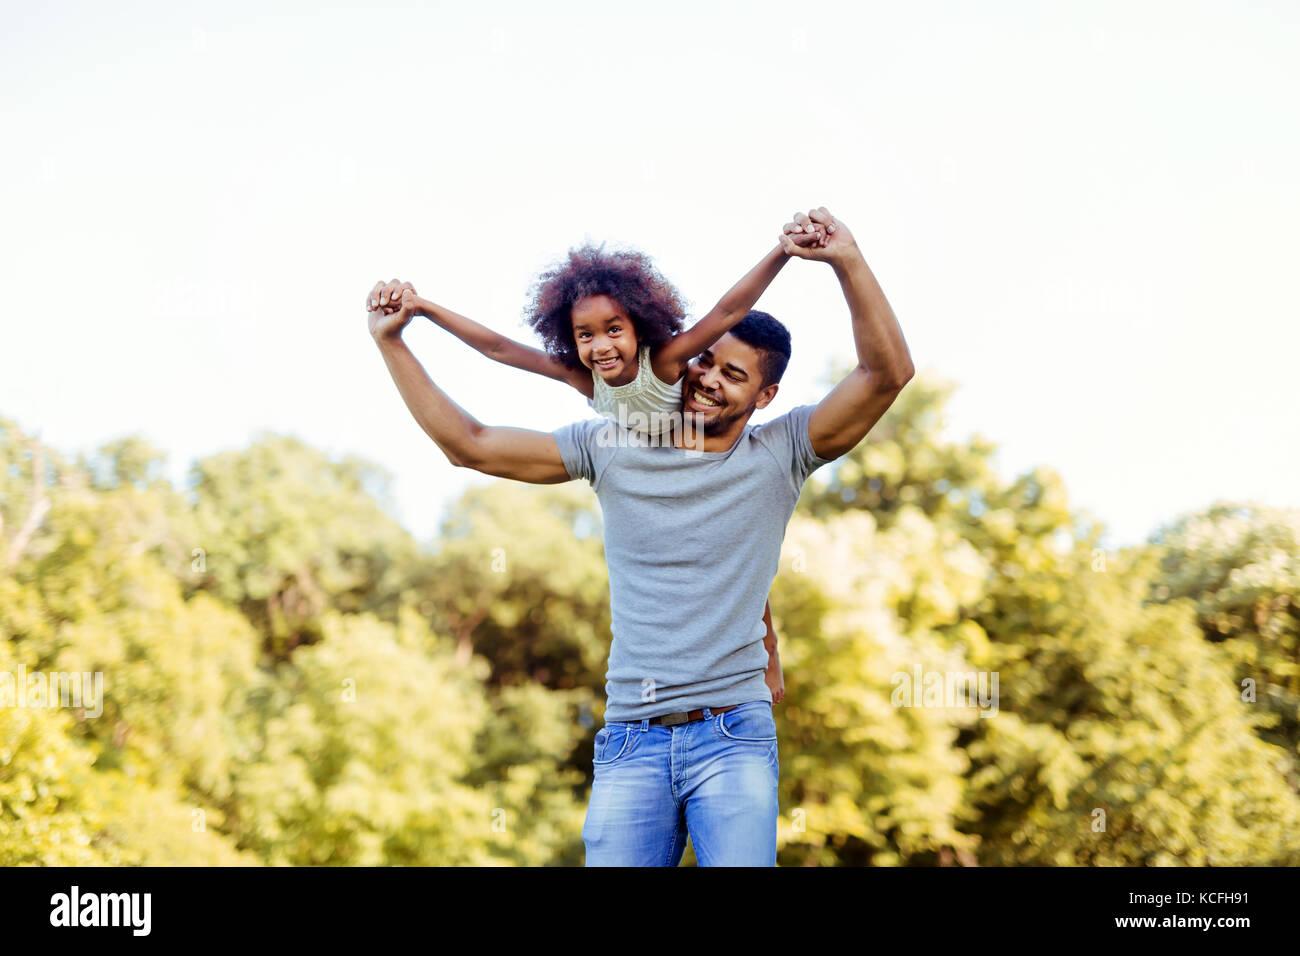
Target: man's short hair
x: 761, y: 331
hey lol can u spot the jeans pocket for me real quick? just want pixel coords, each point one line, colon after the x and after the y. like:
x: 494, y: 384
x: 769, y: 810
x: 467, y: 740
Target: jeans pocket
x: 611, y: 743
x: 749, y: 723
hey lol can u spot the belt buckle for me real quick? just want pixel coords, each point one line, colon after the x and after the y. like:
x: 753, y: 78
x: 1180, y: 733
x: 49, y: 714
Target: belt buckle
x: 672, y: 720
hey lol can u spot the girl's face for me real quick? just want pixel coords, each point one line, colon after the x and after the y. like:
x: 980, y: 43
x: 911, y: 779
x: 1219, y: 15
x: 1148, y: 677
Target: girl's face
x: 606, y: 338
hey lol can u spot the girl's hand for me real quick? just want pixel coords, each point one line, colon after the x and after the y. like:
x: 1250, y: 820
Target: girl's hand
x: 385, y: 297
x: 774, y: 678
x: 391, y: 307
x: 803, y: 232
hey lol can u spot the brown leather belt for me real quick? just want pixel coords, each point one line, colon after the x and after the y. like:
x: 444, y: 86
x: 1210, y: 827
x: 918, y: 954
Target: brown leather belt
x: 672, y: 720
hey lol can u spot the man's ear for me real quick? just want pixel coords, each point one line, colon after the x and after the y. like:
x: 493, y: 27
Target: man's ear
x: 765, y: 395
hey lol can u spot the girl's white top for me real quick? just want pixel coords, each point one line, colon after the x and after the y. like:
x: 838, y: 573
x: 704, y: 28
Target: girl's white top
x: 644, y: 404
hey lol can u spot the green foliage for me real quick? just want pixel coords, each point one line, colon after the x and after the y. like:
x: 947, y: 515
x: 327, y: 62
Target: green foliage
x: 130, y: 461
x: 369, y: 750
x: 865, y: 781
x: 288, y: 533
x: 513, y: 581
x: 358, y: 747
x: 46, y: 815
x: 57, y: 810
x: 1124, y: 741
x: 1239, y: 563
x: 524, y: 749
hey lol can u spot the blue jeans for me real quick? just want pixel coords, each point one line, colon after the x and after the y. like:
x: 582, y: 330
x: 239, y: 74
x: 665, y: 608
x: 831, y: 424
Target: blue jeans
x: 713, y: 778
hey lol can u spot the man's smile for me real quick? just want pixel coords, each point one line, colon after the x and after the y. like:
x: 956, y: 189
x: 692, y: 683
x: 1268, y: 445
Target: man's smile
x: 702, y: 401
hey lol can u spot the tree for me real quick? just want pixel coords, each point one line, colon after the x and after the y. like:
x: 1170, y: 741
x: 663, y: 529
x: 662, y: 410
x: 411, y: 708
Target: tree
x: 287, y: 533
x: 1238, y: 563
x: 866, y: 780
x: 520, y: 578
x: 367, y: 751
x: 1122, y: 740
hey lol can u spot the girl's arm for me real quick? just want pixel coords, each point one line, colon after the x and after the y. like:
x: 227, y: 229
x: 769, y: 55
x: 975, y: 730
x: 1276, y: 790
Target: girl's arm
x: 671, y: 358
x: 772, y: 676
x: 504, y: 350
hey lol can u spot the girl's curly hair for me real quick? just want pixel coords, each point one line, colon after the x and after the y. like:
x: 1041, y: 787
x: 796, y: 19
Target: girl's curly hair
x: 628, y: 277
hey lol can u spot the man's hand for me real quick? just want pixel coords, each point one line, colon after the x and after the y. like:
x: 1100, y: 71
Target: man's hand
x: 391, y: 307
x: 819, y: 236
x: 774, y: 678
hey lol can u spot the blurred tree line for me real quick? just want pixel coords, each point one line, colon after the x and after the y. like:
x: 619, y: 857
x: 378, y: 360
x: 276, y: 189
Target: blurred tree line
x: 290, y: 678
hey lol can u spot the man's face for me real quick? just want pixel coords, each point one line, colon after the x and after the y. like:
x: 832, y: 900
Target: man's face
x: 723, y: 385
x: 605, y: 337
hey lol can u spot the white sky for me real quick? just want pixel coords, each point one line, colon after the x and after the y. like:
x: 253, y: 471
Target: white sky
x: 1084, y: 214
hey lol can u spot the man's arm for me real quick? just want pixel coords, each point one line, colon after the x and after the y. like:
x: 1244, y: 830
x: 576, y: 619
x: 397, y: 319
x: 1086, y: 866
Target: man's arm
x: 843, y: 417
x: 516, y: 453
x: 671, y: 359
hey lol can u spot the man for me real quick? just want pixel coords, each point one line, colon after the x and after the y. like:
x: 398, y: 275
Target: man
x: 693, y: 542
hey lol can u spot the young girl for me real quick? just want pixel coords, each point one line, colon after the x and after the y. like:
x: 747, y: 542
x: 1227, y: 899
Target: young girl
x: 612, y: 329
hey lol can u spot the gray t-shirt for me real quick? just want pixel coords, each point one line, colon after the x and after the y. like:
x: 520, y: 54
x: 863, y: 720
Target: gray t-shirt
x: 693, y: 541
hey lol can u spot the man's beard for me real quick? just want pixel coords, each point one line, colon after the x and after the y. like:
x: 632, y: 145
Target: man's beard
x: 723, y: 422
